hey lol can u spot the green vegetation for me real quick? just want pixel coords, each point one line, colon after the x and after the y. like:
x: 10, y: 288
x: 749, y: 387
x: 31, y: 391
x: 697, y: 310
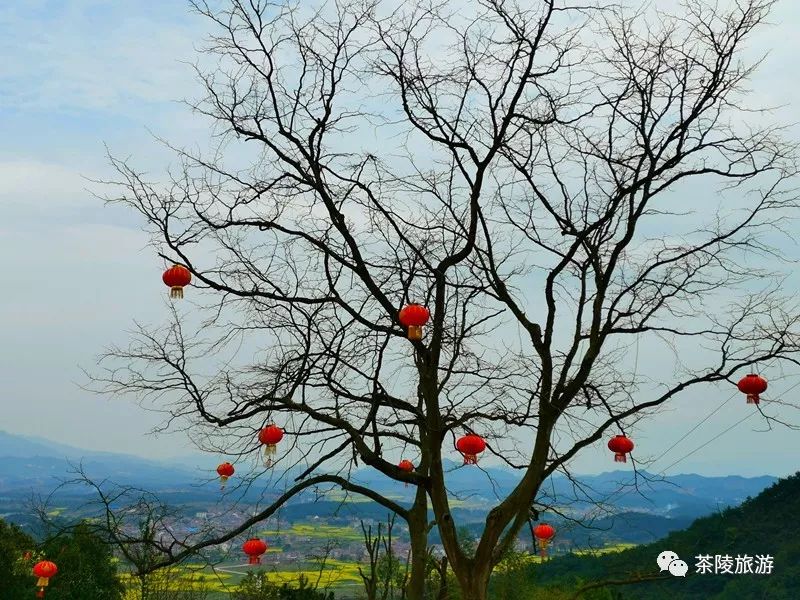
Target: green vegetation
x: 317, y: 531
x: 196, y: 578
x: 258, y: 586
x: 765, y: 525
x: 85, y: 567
x: 15, y: 580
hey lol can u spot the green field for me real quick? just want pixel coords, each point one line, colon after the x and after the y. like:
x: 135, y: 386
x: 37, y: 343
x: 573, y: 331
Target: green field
x: 223, y: 579
x: 337, y: 575
x: 321, y: 531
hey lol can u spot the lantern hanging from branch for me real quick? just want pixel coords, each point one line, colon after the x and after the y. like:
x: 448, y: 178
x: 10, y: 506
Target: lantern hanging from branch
x: 270, y: 436
x: 414, y: 317
x: 470, y: 446
x: 544, y: 534
x: 254, y: 548
x: 176, y: 278
x: 225, y: 470
x: 44, y: 570
x: 406, y: 466
x: 752, y: 385
x: 620, y: 446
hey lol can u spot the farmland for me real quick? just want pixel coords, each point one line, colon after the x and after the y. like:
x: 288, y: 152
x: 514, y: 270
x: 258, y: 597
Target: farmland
x: 308, y: 531
x: 341, y: 576
x: 220, y: 580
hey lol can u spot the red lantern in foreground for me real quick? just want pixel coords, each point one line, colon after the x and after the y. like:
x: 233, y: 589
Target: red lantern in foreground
x: 270, y: 436
x: 224, y: 471
x: 620, y: 446
x: 407, y: 466
x: 752, y: 385
x: 544, y: 533
x: 470, y: 446
x: 254, y: 548
x: 414, y: 317
x: 176, y: 278
x: 44, y: 570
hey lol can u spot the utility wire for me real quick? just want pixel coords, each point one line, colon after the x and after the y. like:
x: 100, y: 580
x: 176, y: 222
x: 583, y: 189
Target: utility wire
x: 716, y: 437
x: 697, y: 426
x: 742, y: 420
x: 622, y: 491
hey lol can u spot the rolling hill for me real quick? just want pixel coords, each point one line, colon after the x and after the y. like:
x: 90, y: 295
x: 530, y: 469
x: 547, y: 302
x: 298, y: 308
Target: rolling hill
x: 764, y: 525
x: 31, y: 466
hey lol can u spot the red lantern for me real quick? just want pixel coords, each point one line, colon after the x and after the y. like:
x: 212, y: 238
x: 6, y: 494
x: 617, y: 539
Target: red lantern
x: 414, y: 317
x: 44, y: 570
x: 270, y: 436
x: 176, y: 278
x: 752, y: 385
x: 406, y: 466
x: 254, y: 548
x: 621, y: 446
x: 224, y: 471
x: 544, y: 533
x: 470, y: 446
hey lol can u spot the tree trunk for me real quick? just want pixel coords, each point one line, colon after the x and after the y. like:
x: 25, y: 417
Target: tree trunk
x: 418, y: 531
x: 443, y: 590
x: 474, y: 584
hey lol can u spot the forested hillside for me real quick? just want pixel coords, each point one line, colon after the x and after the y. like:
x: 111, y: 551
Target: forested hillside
x: 764, y: 525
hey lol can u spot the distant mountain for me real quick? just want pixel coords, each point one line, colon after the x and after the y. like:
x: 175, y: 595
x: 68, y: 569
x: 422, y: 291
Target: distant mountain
x: 12, y: 445
x: 36, y: 466
x: 25, y: 446
x: 675, y: 496
x: 766, y: 525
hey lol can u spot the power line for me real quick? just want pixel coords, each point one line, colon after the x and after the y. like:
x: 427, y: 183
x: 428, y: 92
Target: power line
x: 693, y: 429
x: 742, y: 420
x: 621, y: 491
x: 716, y: 437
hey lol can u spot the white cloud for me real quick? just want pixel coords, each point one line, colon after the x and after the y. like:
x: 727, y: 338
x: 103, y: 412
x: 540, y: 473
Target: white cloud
x: 76, y: 73
x: 41, y: 185
x: 85, y: 55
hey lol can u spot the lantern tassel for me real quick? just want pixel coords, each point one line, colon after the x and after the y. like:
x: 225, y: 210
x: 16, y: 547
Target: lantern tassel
x: 176, y: 293
x: 543, y: 548
x: 414, y: 333
x: 40, y: 593
x: 269, y: 452
x: 752, y: 398
x: 223, y: 479
x: 43, y: 581
x: 255, y: 560
x: 620, y: 457
x: 470, y: 459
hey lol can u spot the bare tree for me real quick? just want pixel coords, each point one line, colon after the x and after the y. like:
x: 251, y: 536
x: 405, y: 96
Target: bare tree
x: 385, y: 577
x: 372, y: 546
x: 541, y: 178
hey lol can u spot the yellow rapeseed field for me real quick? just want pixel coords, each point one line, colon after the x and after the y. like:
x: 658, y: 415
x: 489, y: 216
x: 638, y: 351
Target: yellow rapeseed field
x: 320, y: 531
x: 196, y: 577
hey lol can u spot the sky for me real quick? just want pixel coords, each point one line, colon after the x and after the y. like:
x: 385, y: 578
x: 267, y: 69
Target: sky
x: 80, y: 76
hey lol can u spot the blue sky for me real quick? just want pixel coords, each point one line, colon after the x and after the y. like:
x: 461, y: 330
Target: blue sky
x: 78, y: 75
